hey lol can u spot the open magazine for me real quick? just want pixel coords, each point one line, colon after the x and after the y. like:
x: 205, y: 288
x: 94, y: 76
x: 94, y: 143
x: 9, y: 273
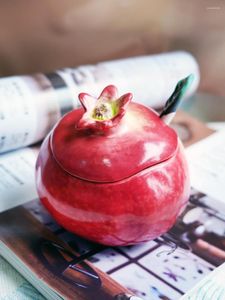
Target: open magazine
x: 64, y: 266
x: 30, y: 105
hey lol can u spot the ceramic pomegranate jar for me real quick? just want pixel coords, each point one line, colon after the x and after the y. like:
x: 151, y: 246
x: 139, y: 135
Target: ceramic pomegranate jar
x: 112, y: 171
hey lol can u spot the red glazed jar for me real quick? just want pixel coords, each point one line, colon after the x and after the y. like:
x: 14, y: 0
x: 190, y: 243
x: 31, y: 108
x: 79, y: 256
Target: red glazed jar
x: 113, y: 171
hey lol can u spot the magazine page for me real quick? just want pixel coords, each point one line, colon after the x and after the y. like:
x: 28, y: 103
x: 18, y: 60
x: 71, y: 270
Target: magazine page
x: 211, y: 287
x: 52, y: 265
x: 207, y: 165
x: 14, y: 286
x: 167, y: 267
x: 17, y: 177
x: 198, y: 236
x: 29, y: 108
x: 151, y: 78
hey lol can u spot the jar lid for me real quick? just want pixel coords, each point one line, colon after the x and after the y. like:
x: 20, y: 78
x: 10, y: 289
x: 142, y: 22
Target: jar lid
x: 139, y: 141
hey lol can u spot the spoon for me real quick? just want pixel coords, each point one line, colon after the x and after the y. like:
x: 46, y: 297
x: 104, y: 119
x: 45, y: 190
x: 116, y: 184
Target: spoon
x: 174, y: 100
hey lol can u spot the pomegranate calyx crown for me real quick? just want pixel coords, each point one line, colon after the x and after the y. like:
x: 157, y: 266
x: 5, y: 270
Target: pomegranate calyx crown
x: 104, y: 112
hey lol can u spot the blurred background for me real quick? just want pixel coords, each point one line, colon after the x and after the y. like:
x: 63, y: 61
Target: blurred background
x: 45, y: 35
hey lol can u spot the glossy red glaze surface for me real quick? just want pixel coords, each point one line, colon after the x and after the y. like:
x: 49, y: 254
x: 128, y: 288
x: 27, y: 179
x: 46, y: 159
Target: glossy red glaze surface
x: 139, y: 141
x: 113, y: 172
x: 129, y: 211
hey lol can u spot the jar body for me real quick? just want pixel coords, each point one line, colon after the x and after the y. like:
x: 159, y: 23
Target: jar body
x: 130, y: 211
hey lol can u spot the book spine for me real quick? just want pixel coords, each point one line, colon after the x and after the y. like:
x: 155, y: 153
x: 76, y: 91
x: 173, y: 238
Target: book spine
x: 31, y: 105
